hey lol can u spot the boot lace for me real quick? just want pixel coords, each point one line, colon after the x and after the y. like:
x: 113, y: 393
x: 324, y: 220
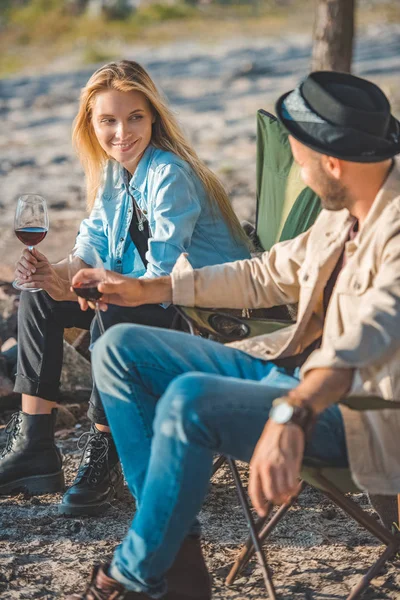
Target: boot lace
x: 95, y: 446
x: 12, y: 430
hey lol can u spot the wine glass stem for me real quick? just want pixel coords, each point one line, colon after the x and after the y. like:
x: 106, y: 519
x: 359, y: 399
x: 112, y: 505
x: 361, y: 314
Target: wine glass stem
x: 99, y: 318
x: 30, y: 248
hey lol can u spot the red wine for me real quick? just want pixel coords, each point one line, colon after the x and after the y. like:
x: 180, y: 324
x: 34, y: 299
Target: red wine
x: 31, y: 236
x: 88, y: 290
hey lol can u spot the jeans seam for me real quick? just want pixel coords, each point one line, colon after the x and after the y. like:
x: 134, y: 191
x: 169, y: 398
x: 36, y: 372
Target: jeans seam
x: 148, y: 428
x: 132, y: 366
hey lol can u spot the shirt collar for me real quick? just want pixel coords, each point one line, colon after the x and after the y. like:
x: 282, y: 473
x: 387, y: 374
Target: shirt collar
x: 139, y: 178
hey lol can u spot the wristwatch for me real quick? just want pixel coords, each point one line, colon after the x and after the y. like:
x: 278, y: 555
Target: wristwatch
x: 284, y: 412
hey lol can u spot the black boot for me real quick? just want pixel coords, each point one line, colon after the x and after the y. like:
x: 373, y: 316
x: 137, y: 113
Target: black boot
x: 99, y: 479
x: 30, y: 460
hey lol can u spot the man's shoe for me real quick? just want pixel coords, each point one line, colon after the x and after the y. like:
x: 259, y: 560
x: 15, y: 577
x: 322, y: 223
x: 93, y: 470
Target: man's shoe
x: 103, y: 587
x: 188, y: 578
x: 30, y: 460
x: 99, y: 479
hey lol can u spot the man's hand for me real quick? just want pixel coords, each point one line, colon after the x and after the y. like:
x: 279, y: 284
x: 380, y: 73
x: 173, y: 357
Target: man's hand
x: 115, y: 288
x: 33, y: 270
x: 276, y: 462
x: 275, y: 465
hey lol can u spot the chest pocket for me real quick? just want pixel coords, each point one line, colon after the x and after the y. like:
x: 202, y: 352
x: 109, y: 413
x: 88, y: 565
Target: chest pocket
x: 354, y: 283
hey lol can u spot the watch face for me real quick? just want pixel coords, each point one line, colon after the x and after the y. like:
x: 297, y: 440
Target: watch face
x: 282, y: 413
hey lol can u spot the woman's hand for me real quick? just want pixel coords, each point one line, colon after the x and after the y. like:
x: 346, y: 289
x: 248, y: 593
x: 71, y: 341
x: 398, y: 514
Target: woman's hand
x: 33, y: 270
x: 25, y: 266
x: 115, y: 288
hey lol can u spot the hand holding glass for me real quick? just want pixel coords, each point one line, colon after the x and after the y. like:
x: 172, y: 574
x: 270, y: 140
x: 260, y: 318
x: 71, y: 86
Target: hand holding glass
x: 31, y: 225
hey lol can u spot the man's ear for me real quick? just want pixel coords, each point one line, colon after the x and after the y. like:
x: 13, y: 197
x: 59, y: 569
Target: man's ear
x: 333, y: 166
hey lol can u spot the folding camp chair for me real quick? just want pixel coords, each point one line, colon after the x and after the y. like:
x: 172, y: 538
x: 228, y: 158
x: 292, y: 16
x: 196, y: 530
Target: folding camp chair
x: 285, y: 208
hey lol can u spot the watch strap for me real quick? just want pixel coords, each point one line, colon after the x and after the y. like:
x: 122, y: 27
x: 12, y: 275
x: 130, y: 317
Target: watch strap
x: 304, y: 417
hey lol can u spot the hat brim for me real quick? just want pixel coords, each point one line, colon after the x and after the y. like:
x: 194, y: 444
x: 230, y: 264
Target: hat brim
x: 295, y: 130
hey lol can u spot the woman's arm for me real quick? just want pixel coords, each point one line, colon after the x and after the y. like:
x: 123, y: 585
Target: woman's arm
x: 176, y: 211
x: 91, y: 235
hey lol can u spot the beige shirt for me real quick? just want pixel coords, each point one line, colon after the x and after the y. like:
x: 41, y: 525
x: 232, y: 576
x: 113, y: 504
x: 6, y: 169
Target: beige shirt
x: 361, y: 329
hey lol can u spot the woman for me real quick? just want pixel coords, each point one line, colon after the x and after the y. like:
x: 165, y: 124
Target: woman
x: 150, y: 198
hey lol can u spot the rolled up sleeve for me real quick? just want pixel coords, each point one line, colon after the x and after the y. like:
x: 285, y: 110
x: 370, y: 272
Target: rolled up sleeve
x: 182, y: 278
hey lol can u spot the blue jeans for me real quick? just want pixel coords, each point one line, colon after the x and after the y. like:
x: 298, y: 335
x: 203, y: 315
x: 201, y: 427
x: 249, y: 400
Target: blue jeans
x: 173, y: 401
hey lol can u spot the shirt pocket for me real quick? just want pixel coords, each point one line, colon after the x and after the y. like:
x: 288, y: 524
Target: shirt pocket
x: 354, y: 283
x: 350, y: 291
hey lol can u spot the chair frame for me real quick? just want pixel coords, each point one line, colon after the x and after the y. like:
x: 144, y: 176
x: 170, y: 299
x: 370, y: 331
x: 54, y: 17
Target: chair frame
x: 265, y: 525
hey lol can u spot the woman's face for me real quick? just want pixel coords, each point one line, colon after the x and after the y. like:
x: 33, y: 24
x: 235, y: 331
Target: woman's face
x: 122, y: 122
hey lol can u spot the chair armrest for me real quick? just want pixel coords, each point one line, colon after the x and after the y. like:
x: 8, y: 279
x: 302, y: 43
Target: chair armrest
x: 369, y: 403
x: 228, y: 325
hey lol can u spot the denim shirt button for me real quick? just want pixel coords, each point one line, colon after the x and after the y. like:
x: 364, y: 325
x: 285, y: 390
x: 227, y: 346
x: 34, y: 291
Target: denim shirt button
x: 121, y: 239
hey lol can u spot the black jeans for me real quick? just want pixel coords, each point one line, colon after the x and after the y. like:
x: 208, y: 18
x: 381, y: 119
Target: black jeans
x: 41, y: 324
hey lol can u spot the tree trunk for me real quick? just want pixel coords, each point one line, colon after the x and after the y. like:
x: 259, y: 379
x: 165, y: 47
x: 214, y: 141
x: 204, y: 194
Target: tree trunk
x: 333, y: 35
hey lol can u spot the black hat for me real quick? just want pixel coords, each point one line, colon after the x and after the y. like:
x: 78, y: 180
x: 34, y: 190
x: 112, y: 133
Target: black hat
x: 341, y: 115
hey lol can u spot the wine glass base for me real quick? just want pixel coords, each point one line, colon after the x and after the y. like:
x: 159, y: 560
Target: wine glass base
x: 16, y: 285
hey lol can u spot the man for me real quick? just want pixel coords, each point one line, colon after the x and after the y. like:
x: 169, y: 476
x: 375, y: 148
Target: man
x: 174, y: 400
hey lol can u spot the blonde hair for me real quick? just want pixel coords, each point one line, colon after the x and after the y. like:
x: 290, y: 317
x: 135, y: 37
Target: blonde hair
x: 126, y: 76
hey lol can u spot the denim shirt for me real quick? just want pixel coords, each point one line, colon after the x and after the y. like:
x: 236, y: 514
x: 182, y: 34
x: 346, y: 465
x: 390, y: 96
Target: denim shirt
x: 180, y: 217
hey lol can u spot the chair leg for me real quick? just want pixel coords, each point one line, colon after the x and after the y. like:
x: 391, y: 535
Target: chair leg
x: 253, y: 532
x: 351, y: 508
x: 264, y: 527
x: 248, y: 549
x: 362, y: 585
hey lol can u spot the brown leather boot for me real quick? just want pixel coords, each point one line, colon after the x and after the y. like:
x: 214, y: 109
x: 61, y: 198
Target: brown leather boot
x: 188, y: 578
x: 103, y: 587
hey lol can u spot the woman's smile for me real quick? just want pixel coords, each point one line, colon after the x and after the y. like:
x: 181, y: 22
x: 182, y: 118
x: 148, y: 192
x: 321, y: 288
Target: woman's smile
x: 123, y: 146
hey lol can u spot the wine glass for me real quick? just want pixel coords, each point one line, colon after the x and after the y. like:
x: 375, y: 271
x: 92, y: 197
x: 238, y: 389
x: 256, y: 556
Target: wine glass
x: 88, y: 289
x: 31, y: 225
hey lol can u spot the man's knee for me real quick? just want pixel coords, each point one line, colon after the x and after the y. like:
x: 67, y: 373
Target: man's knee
x: 185, y: 410
x: 117, y: 345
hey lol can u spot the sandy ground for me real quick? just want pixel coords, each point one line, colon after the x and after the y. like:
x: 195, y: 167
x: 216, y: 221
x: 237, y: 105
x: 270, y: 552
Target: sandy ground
x: 316, y: 553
